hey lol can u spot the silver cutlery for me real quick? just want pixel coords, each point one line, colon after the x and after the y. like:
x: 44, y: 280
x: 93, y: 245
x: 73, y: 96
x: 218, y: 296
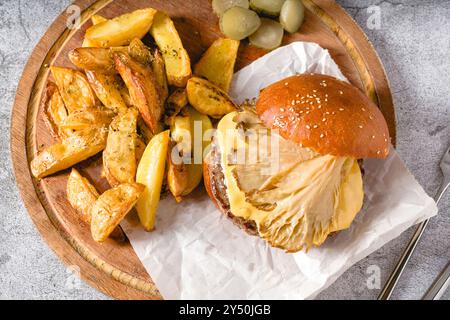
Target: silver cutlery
x: 439, y: 286
x: 399, y: 268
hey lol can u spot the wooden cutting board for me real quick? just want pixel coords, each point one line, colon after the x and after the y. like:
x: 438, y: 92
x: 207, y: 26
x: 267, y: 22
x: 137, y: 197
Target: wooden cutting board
x: 113, y: 267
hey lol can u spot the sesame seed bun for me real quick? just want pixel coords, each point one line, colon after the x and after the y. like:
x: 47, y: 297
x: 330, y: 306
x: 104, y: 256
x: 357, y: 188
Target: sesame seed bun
x: 325, y: 114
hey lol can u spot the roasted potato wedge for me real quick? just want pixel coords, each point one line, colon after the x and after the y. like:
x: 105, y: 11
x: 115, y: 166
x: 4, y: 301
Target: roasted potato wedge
x: 182, y: 178
x: 177, y: 173
x: 81, y: 195
x: 176, y: 58
x: 150, y: 173
x: 125, y: 94
x: 87, y: 119
x: 107, y: 88
x: 217, y: 64
x: 143, y: 88
x: 74, y: 88
x: 55, y: 111
x: 208, y: 98
x: 185, y: 169
x: 111, y: 207
x: 174, y: 104
x: 159, y: 70
x: 119, y: 157
x: 142, y: 54
x: 95, y: 59
x: 182, y: 135
x: 96, y: 19
x: 72, y: 150
x: 202, y: 131
x: 122, y: 29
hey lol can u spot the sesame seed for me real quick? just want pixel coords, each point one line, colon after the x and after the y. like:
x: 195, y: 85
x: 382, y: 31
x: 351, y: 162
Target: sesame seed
x: 324, y: 119
x: 363, y: 109
x: 314, y: 90
x: 322, y: 135
x: 385, y: 140
x: 308, y: 126
x: 307, y: 112
x: 286, y: 83
x: 373, y: 137
x: 320, y: 106
x: 360, y: 126
x: 282, y: 109
x: 341, y: 92
x: 370, y: 117
x: 297, y: 95
x: 378, y: 152
x: 341, y: 109
x: 315, y: 126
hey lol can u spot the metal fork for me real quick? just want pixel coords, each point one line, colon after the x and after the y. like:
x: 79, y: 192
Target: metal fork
x: 396, y: 274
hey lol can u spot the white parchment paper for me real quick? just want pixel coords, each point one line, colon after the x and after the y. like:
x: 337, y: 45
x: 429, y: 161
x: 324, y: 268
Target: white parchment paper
x: 196, y: 253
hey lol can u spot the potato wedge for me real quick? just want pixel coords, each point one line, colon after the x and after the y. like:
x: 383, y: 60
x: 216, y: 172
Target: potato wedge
x: 119, y: 157
x: 72, y: 150
x: 177, y: 174
x: 174, y: 104
x: 208, y: 98
x: 107, y: 88
x: 182, y: 135
x: 176, y: 58
x: 111, y: 207
x: 55, y: 111
x: 95, y: 59
x: 202, y: 131
x: 182, y: 178
x: 143, y: 88
x: 74, y: 88
x: 185, y: 174
x: 150, y: 173
x: 122, y: 29
x: 217, y: 64
x: 81, y: 195
x: 142, y: 54
x: 159, y: 70
x: 87, y: 119
x: 96, y: 19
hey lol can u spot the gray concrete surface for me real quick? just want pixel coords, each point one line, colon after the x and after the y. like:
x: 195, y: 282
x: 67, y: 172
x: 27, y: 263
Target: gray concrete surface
x: 413, y: 42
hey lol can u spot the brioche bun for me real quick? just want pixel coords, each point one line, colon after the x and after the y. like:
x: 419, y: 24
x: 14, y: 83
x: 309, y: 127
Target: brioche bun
x: 325, y: 114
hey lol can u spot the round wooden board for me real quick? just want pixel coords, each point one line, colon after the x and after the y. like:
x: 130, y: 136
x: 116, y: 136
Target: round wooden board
x: 113, y: 267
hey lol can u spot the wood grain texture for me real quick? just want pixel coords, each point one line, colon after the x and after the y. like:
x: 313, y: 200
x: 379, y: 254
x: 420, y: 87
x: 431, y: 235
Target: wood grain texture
x: 113, y: 267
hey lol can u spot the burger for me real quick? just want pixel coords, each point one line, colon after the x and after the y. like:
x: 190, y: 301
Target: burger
x: 288, y: 168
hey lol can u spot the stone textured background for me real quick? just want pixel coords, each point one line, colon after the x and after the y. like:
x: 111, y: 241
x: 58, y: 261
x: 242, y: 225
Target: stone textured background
x: 413, y: 43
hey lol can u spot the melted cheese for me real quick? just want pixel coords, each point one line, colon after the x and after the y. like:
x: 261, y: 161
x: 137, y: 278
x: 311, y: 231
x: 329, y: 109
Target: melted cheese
x: 297, y: 205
